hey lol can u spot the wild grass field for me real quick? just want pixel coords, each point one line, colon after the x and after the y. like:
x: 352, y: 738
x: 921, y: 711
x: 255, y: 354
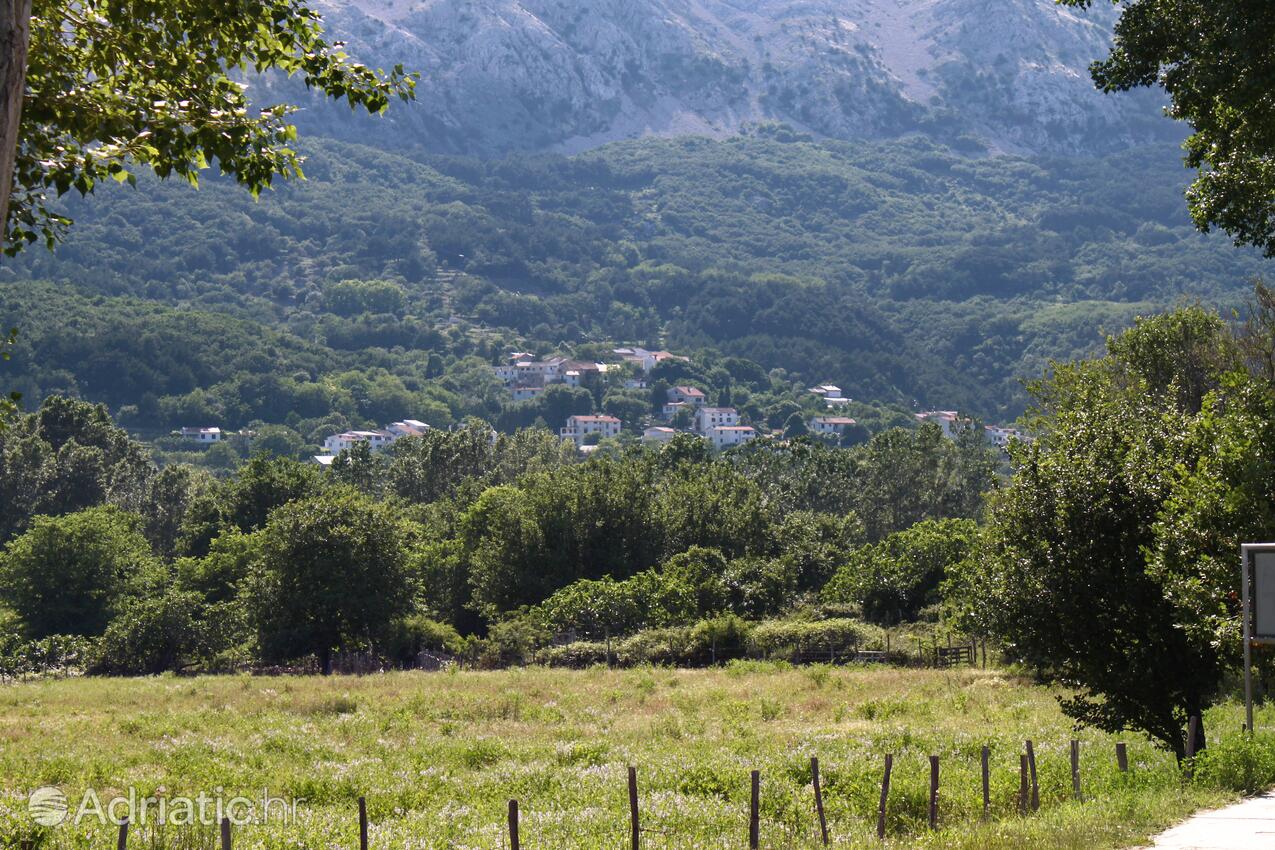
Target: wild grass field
x: 438, y: 755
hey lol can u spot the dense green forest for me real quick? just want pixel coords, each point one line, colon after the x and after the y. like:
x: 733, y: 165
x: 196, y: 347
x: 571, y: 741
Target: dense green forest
x: 384, y: 285
x: 1141, y: 472
x: 454, y: 534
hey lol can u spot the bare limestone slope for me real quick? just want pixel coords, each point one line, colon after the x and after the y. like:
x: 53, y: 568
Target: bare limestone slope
x: 565, y: 75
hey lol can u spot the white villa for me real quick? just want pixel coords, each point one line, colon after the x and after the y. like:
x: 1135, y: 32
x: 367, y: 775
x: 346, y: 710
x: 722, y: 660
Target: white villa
x: 949, y: 421
x: 646, y: 360
x: 707, y: 418
x: 202, y: 435
x: 579, y: 427
x: 658, y: 434
x: 376, y: 440
x: 831, y: 395
x: 524, y: 374
x: 725, y: 436
x: 830, y: 425
x: 525, y: 393
x: 1000, y: 437
x: 407, y: 428
x: 686, y: 395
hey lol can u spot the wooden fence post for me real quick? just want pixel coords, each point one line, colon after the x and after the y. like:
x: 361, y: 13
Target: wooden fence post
x: 225, y: 834
x: 362, y: 823
x: 1075, y: 770
x: 1122, y: 757
x: 1031, y: 769
x: 823, y: 822
x: 635, y: 827
x: 987, y: 788
x: 934, y: 792
x: 122, y: 843
x: 885, y: 793
x: 513, y: 825
x: 754, y: 813
x: 1023, y: 792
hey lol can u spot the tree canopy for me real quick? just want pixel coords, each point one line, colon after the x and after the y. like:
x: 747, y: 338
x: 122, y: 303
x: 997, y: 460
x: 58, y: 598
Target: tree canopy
x: 110, y: 86
x: 1216, y: 61
x: 1100, y: 566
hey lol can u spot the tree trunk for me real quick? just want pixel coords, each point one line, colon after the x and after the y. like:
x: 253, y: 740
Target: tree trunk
x: 325, y: 656
x: 15, y: 38
x: 1200, y: 739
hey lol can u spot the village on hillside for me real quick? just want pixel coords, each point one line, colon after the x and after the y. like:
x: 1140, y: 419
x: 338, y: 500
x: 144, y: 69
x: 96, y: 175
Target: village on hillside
x: 681, y: 409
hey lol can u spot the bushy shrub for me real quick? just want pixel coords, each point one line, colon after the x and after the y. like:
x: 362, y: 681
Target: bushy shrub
x: 152, y: 635
x: 786, y: 638
x: 605, y: 608
x: 416, y: 633
x: 578, y: 654
x: 671, y: 646
x: 1244, y: 763
x: 55, y: 654
x: 722, y: 637
x: 509, y: 642
x: 894, y: 580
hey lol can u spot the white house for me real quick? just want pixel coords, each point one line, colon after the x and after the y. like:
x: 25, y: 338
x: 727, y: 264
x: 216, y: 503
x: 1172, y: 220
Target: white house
x: 646, y: 360
x: 1000, y: 437
x: 725, y: 436
x: 830, y: 425
x: 949, y: 421
x: 831, y: 395
x: 525, y: 393
x: 202, y: 435
x: 579, y: 427
x: 524, y: 372
x: 707, y: 418
x: 686, y: 395
x: 407, y: 428
x: 658, y: 434
x: 376, y: 440
x: 671, y: 408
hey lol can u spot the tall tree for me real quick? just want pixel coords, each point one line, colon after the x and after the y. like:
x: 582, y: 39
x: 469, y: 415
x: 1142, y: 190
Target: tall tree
x: 92, y: 88
x: 1070, y: 576
x: 69, y: 574
x: 1216, y: 61
x: 332, y: 573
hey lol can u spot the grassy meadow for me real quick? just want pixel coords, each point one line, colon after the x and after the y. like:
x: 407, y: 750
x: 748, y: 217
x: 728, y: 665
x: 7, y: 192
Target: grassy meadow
x: 438, y: 755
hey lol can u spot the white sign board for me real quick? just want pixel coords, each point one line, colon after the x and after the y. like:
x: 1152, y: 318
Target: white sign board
x: 1264, y: 594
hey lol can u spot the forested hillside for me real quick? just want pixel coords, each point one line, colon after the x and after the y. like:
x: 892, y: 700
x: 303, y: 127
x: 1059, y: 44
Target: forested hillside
x: 384, y: 285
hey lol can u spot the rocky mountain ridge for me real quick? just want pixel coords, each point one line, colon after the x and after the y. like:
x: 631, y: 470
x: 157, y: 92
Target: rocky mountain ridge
x: 566, y: 75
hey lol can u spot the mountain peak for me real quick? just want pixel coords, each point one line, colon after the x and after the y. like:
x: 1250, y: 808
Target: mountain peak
x: 565, y: 75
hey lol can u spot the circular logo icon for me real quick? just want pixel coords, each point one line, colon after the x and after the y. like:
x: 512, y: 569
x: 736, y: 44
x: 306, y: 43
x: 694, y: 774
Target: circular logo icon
x: 47, y: 806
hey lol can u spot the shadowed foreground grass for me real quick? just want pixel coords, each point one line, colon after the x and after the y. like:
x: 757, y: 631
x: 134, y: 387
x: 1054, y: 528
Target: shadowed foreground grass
x: 439, y: 755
